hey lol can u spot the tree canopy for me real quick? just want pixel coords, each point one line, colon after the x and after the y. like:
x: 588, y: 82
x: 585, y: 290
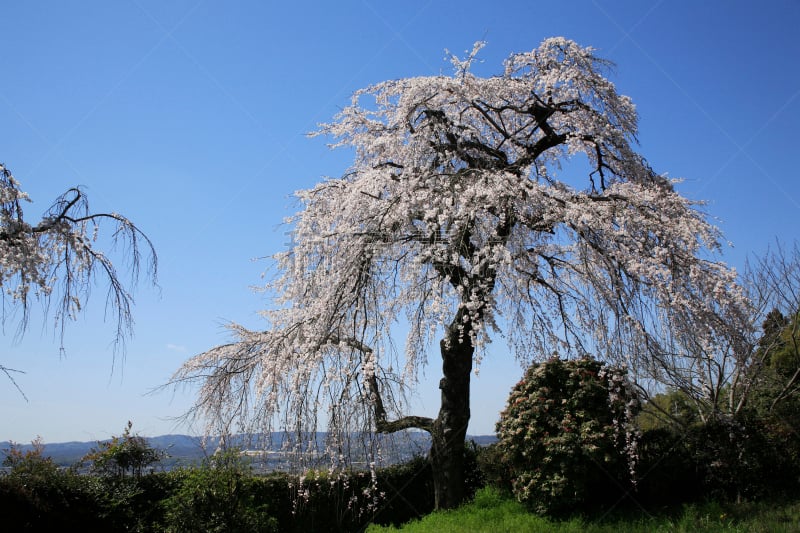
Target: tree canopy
x: 461, y: 218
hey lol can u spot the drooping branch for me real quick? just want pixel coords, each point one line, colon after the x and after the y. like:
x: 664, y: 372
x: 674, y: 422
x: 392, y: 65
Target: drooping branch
x: 60, y: 251
x: 382, y: 425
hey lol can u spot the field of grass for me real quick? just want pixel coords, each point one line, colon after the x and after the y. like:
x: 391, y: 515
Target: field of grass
x: 492, y: 512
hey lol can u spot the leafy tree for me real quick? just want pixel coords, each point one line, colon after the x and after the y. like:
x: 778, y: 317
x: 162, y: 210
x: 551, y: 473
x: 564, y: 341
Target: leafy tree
x: 37, y: 495
x: 767, y: 377
x: 778, y: 360
x: 567, y: 434
x: 458, y: 219
x: 32, y: 463
x: 773, y: 399
x: 128, y: 454
x: 57, y: 256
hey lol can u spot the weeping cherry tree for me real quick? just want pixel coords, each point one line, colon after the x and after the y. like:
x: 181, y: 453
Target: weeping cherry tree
x: 56, y: 260
x: 458, y: 219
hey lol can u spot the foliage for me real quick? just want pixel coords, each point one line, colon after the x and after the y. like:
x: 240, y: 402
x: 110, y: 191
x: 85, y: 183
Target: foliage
x: 494, y: 469
x: 731, y: 458
x: 775, y: 392
x: 222, y: 493
x: 36, y: 495
x: 128, y: 454
x: 725, y: 459
x: 455, y: 218
x: 219, y: 497
x: 672, y: 409
x: 183, y: 500
x: 668, y: 471
x: 494, y: 512
x: 348, y: 501
x: 567, y: 434
x: 750, y: 374
x: 766, y: 377
x: 30, y: 463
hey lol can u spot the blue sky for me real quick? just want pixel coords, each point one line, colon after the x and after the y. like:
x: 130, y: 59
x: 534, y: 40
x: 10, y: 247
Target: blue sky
x: 190, y: 117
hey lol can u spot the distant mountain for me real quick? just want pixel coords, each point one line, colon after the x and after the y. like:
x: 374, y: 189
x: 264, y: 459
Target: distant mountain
x: 482, y: 440
x: 187, y: 450
x: 181, y: 449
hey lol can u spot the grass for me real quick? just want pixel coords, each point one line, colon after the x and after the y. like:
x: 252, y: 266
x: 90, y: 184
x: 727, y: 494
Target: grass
x: 492, y: 512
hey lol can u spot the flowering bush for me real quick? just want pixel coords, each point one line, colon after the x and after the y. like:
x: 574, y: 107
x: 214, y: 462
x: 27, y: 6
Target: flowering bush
x: 567, y: 434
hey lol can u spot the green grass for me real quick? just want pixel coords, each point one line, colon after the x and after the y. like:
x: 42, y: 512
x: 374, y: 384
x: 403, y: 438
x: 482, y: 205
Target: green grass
x: 492, y: 512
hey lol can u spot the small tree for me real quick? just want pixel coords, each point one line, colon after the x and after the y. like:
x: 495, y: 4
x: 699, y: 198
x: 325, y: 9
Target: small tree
x: 30, y: 463
x: 57, y: 256
x: 37, y: 495
x: 129, y: 454
x: 567, y: 434
x: 765, y: 373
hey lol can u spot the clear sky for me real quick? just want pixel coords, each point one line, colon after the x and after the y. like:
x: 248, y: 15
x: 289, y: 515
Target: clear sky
x: 190, y: 116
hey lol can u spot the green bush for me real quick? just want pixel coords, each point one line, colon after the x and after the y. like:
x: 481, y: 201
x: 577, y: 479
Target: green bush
x: 567, y: 437
x: 722, y: 459
x: 37, y: 495
x: 350, y: 501
x: 221, y: 496
x: 494, y: 468
x: 407, y: 492
x: 741, y: 459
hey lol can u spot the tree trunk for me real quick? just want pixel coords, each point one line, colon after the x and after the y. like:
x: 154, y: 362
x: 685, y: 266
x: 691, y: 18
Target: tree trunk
x: 450, y: 427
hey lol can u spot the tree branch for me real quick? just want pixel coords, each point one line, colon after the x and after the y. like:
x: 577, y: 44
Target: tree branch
x: 381, y: 424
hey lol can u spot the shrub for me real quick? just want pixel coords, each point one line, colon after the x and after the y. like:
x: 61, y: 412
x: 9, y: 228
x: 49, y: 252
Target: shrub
x: 221, y: 496
x: 723, y: 459
x: 350, y: 500
x: 738, y: 459
x: 494, y: 468
x: 567, y: 435
x: 667, y: 469
x: 37, y: 495
x: 407, y: 492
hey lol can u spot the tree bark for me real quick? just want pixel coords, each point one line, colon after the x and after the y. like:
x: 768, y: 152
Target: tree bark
x: 449, y: 430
